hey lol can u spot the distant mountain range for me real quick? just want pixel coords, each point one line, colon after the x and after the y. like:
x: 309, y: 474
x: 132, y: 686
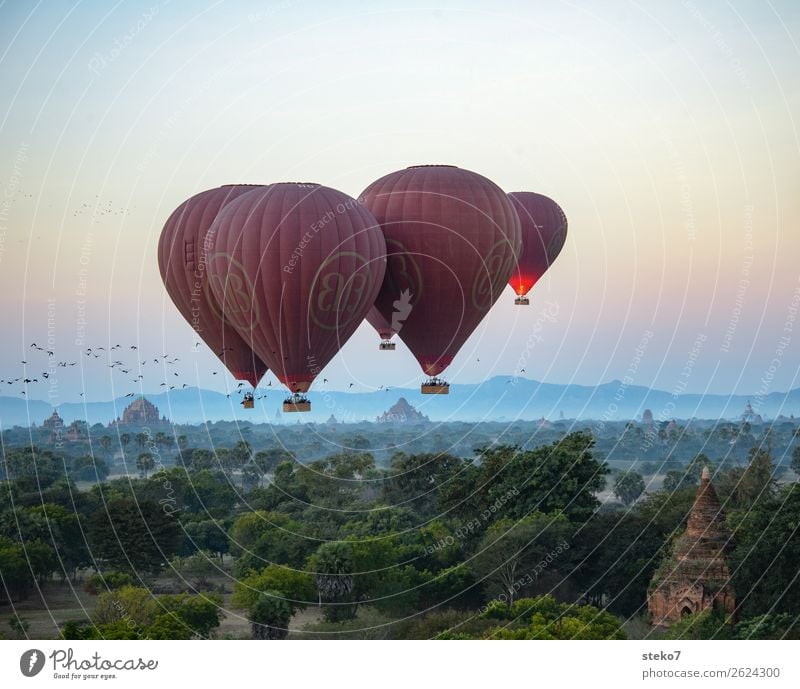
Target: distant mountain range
x: 497, y: 399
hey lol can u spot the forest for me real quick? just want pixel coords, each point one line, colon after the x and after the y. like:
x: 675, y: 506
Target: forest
x: 269, y: 533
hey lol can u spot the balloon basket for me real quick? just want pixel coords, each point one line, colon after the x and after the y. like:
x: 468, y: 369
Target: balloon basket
x: 296, y: 403
x: 522, y: 301
x: 248, y: 402
x: 435, y: 386
x: 386, y: 346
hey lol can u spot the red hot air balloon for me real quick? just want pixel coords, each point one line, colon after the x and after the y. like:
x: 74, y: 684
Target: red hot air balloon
x: 183, y: 260
x: 544, y: 231
x: 297, y: 267
x: 384, y: 329
x: 452, y: 241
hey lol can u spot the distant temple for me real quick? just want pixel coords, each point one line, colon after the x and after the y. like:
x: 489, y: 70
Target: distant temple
x: 695, y: 576
x: 77, y: 430
x: 140, y: 412
x: 647, y: 417
x: 749, y: 416
x: 401, y: 412
x: 53, y: 422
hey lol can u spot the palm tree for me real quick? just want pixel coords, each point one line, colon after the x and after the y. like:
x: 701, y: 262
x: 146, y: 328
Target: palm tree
x: 145, y: 462
x: 333, y: 564
x: 141, y: 440
x: 105, y: 442
x: 270, y: 616
x: 161, y: 439
x: 240, y: 455
x: 125, y: 440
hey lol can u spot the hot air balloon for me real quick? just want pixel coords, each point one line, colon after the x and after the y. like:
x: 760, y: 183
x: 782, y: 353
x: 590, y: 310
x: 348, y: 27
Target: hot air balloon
x: 296, y: 269
x: 183, y: 260
x: 452, y: 241
x: 384, y: 329
x: 544, y: 231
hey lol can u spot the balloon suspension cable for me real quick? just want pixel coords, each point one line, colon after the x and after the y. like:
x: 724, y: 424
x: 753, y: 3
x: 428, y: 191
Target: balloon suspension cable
x: 296, y: 402
x: 435, y: 386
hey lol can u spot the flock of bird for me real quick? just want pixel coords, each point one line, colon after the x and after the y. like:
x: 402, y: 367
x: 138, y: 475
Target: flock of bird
x: 112, y: 360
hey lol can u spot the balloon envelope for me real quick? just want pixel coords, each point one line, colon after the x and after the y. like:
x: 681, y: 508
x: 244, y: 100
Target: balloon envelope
x: 452, y: 242
x: 381, y: 325
x: 297, y: 267
x: 183, y: 260
x: 544, y: 231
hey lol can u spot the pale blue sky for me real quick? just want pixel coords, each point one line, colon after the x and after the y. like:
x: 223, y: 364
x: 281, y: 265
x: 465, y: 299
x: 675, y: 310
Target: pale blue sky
x: 657, y: 126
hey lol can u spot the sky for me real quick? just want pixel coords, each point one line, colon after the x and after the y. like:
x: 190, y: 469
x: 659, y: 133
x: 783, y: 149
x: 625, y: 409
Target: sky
x: 666, y: 132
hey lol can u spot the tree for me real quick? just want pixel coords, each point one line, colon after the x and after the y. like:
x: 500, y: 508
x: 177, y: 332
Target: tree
x: 796, y: 460
x: 18, y: 580
x: 267, y: 460
x: 162, y: 440
x: 261, y: 538
x: 332, y: 565
x: 125, y: 439
x: 130, y: 604
x: 133, y: 536
x: 629, y: 486
x: 144, y: 463
x: 770, y: 626
x: 562, y: 476
x: 89, y: 468
x: 513, y: 555
x: 270, y: 615
x: 207, y: 535
x: 711, y: 623
x: 543, y: 618
x: 295, y: 586
x: 239, y: 456
x: 764, y: 561
x: 415, y: 481
x: 619, y: 551
x: 191, y: 615
x: 141, y: 440
x: 752, y: 483
x: 105, y: 443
